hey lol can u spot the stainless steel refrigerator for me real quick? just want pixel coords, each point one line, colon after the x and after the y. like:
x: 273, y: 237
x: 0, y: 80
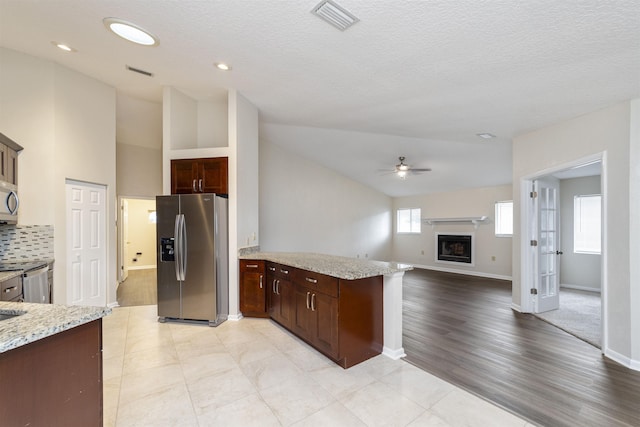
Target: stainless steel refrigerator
x: 193, y: 258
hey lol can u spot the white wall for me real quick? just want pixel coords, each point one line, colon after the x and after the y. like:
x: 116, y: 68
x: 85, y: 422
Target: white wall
x: 142, y: 234
x: 308, y: 208
x: 66, y: 123
x: 180, y: 119
x: 608, y: 133
x: 139, y: 147
x: 577, y: 270
x: 456, y: 204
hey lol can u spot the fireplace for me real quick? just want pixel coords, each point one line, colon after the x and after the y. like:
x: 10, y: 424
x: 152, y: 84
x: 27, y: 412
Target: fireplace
x: 454, y: 248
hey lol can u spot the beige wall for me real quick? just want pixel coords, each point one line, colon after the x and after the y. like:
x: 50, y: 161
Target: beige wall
x: 606, y: 133
x: 306, y: 207
x: 66, y: 123
x: 142, y: 234
x: 456, y: 204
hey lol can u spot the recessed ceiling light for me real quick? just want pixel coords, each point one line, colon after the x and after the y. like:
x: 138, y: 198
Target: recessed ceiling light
x: 485, y: 135
x: 222, y: 66
x: 131, y: 32
x: 63, y: 46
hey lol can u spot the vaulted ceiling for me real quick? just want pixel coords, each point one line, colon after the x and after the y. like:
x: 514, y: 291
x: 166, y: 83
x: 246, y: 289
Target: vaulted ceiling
x: 412, y: 78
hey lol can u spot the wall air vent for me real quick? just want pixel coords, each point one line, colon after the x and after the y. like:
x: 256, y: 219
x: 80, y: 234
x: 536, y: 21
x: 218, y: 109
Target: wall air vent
x: 139, y: 71
x: 335, y: 15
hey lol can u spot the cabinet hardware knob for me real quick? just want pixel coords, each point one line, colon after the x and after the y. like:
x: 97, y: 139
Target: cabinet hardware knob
x: 200, y: 185
x: 272, y: 269
x: 278, y: 287
x: 284, y: 271
x: 313, y: 302
x: 252, y: 265
x: 261, y: 281
x: 308, y: 304
x: 194, y: 186
x: 310, y: 280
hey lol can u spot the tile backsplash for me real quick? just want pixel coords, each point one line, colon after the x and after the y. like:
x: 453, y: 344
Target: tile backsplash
x: 26, y: 242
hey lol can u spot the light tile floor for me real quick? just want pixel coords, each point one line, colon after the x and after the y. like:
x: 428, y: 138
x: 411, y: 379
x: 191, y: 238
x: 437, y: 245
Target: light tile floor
x: 254, y: 373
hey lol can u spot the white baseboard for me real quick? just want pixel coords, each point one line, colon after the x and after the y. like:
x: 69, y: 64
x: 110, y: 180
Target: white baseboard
x: 467, y: 272
x: 113, y: 304
x: 516, y: 307
x: 394, y: 354
x: 579, y: 288
x: 142, y: 267
x: 623, y: 360
x: 235, y: 317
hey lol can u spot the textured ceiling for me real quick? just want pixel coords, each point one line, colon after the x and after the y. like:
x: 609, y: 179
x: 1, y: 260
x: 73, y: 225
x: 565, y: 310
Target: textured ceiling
x: 413, y: 78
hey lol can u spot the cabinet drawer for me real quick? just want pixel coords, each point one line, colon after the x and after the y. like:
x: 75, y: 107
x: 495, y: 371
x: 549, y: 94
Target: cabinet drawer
x: 10, y: 289
x: 248, y: 265
x: 319, y: 282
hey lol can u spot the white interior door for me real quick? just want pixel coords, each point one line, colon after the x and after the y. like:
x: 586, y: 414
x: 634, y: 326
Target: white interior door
x: 86, y: 244
x: 548, y: 235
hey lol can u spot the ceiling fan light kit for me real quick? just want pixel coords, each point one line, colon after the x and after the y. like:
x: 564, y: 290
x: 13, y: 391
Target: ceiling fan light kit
x: 402, y: 169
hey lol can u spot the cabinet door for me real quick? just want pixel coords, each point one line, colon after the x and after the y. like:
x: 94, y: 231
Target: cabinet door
x: 325, y: 324
x: 213, y: 173
x: 184, y: 176
x: 252, y: 289
x: 273, y: 300
x: 286, y: 307
x: 4, y: 163
x: 302, y: 317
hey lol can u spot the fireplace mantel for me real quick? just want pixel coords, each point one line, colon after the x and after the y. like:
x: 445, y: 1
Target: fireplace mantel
x: 475, y: 220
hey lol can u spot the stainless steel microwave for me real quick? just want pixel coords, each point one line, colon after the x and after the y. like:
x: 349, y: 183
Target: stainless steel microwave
x: 9, y: 203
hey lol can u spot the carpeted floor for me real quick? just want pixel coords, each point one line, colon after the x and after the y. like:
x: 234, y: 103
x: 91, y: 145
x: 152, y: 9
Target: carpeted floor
x: 579, y: 315
x: 140, y: 288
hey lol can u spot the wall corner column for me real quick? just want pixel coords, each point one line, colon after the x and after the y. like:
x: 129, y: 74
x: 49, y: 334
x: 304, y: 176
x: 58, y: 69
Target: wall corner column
x: 392, y: 312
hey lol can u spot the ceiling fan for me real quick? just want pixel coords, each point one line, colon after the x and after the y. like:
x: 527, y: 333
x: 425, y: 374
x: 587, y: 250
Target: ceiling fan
x: 402, y: 169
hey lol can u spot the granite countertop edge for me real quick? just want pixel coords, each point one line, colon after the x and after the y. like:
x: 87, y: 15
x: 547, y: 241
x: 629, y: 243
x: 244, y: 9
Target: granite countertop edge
x: 41, y: 321
x: 331, y: 265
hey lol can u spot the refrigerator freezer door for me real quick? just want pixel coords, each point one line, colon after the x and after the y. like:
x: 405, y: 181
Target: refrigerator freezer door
x: 199, y: 284
x: 167, y: 208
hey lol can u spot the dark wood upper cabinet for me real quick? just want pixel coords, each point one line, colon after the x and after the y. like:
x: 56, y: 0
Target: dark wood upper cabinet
x: 207, y: 175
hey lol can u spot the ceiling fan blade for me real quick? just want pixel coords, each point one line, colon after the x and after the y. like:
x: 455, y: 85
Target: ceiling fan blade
x: 420, y: 170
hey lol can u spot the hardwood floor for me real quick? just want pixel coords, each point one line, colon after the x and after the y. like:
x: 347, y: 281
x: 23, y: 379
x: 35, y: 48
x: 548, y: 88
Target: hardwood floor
x: 462, y: 329
x: 140, y: 288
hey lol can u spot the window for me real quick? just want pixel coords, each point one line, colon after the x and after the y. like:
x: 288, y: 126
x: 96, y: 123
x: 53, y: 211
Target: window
x: 408, y: 220
x: 586, y: 224
x: 504, y: 218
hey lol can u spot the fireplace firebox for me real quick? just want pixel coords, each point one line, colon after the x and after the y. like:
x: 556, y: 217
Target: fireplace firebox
x: 456, y: 248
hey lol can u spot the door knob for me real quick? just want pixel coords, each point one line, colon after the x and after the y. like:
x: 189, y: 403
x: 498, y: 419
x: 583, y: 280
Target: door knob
x: 558, y: 252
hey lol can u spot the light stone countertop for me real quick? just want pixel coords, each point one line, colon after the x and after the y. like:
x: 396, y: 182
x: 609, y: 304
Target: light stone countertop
x: 41, y: 320
x: 331, y: 265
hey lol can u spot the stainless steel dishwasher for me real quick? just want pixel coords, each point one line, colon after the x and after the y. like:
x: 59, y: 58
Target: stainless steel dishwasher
x: 35, y: 285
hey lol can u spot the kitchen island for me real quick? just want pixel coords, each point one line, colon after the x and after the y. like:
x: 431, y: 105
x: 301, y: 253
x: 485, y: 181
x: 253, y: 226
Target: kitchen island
x: 347, y: 308
x: 51, y: 364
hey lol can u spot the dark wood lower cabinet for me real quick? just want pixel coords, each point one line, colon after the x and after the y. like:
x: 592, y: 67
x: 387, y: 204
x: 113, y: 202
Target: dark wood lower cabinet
x: 55, y: 381
x: 340, y: 318
x: 253, y: 287
x: 280, y: 294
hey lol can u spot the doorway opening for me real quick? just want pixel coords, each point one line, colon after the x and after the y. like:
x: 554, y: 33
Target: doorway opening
x: 137, y: 251
x: 566, y: 281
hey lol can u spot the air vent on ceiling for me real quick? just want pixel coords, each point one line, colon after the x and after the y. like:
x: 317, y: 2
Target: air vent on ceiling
x: 335, y: 15
x: 139, y: 71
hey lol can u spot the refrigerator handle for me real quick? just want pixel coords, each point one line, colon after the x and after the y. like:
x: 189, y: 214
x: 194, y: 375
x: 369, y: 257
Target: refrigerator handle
x: 183, y: 244
x: 176, y: 238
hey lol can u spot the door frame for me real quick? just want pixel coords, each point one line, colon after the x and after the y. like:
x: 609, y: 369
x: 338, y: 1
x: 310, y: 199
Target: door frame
x: 528, y: 263
x: 120, y: 223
